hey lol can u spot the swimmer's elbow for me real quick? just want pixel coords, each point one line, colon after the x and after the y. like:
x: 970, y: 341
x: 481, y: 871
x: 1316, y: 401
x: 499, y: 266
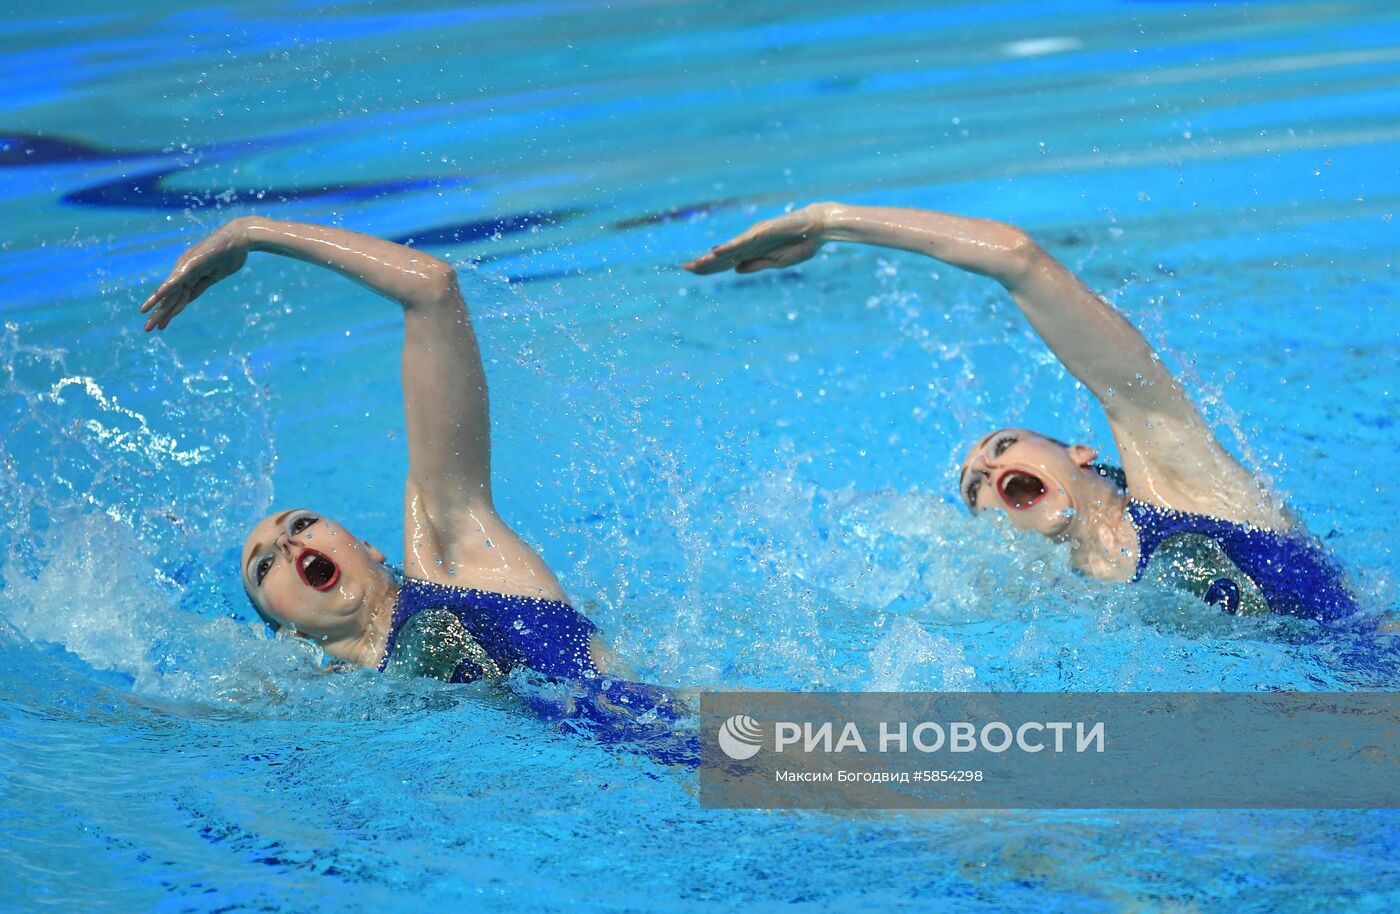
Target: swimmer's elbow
x: 441, y: 279
x: 1019, y: 256
x: 434, y: 285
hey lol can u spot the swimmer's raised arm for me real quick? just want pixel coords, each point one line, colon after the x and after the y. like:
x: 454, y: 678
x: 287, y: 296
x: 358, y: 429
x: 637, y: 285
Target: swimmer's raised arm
x: 1092, y: 339
x: 450, y: 524
x: 1163, y: 440
x: 409, y: 277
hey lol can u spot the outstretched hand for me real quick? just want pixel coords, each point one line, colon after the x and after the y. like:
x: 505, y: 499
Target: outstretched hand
x: 781, y: 242
x: 217, y: 257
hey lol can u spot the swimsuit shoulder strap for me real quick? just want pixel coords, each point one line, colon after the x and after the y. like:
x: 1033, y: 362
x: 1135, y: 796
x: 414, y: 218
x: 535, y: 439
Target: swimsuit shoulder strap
x: 1153, y: 524
x: 407, y: 604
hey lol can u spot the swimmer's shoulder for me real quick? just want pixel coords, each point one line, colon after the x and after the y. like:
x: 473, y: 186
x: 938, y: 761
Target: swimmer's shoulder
x: 1240, y: 498
x: 488, y: 581
x: 1176, y: 462
x: 474, y: 549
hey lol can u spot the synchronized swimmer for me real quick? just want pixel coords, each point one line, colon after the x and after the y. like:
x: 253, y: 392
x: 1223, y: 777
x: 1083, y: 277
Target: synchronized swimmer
x: 476, y: 602
x: 1180, y: 507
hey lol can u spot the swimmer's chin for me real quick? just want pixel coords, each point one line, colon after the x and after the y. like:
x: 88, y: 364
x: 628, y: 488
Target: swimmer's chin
x: 1063, y: 524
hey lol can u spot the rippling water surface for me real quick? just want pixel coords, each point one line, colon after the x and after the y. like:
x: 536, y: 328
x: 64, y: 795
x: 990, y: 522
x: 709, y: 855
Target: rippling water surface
x: 744, y: 480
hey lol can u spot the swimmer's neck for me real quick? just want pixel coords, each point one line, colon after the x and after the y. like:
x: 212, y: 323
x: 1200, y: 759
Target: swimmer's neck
x: 1103, y: 541
x: 366, y: 648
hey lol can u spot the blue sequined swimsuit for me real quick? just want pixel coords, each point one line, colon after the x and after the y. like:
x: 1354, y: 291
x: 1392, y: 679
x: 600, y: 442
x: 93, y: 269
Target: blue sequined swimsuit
x: 1293, y: 571
x: 547, y: 636
x: 551, y: 638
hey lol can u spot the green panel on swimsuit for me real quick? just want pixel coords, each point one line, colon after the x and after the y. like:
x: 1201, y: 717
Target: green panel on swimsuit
x: 434, y: 644
x: 1192, y: 563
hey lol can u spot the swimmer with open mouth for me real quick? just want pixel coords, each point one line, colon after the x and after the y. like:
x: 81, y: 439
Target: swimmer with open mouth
x: 475, y: 601
x: 1177, y: 489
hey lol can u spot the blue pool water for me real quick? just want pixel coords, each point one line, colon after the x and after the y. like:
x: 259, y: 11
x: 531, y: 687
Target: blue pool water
x: 744, y: 480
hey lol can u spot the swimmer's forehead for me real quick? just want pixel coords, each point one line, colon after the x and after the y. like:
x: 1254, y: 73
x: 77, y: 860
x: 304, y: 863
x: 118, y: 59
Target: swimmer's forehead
x: 982, y: 442
x: 1023, y: 433
x: 266, y: 531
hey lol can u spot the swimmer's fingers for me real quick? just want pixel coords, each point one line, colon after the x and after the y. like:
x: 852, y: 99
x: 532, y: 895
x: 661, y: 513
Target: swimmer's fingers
x: 709, y: 263
x: 729, y: 255
x: 171, y: 305
x: 175, y: 300
x: 783, y: 257
x: 752, y: 258
x: 179, y: 306
x: 177, y: 303
x: 788, y: 239
x: 157, y: 305
x: 187, y: 273
x: 217, y: 257
x: 193, y: 275
x: 164, y: 289
x: 164, y: 298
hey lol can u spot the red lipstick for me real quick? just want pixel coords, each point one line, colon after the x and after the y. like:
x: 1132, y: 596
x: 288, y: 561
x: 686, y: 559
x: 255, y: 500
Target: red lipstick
x: 316, y: 569
x: 1020, y: 490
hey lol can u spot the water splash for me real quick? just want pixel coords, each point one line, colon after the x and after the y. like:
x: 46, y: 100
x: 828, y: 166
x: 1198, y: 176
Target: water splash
x: 910, y: 659
x: 123, y: 484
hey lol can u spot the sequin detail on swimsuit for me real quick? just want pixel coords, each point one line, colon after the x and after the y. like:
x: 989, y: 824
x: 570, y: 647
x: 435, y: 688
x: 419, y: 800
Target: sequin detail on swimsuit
x: 547, y: 636
x: 551, y: 638
x: 1294, y: 572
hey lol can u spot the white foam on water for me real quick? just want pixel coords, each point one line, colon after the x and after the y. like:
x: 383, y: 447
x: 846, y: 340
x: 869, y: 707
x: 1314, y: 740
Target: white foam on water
x: 1039, y: 47
x: 910, y: 659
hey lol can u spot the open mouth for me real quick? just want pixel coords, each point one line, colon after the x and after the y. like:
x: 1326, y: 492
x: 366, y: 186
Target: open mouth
x: 317, y: 571
x: 1020, y: 490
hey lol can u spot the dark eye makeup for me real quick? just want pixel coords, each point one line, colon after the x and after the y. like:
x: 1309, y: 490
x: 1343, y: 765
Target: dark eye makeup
x: 296, y: 525
x: 972, y: 488
x: 300, y: 523
x: 975, y: 485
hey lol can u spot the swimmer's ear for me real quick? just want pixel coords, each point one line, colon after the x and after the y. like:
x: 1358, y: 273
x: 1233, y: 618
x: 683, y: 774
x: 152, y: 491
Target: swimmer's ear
x: 374, y: 553
x: 1082, y: 454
